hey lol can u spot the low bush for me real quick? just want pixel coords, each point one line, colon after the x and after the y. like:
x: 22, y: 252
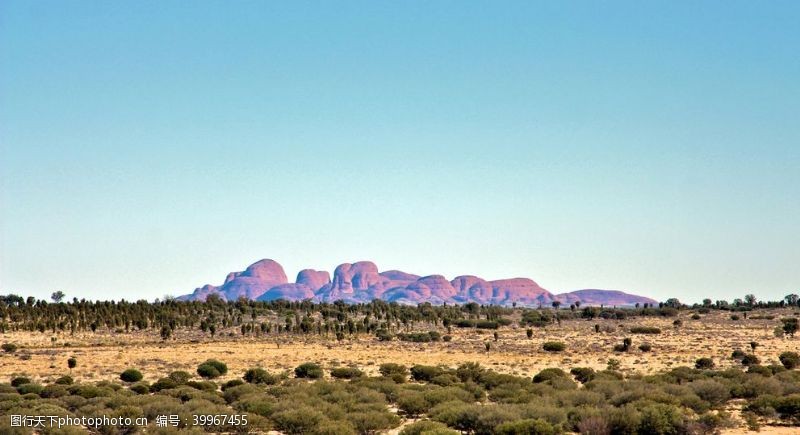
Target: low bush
x: 259, y: 376
x: 140, y: 388
x: 750, y: 359
x: 528, y: 426
x: 131, y: 375
x: 704, y: 363
x: 346, y: 373
x: 163, y: 384
x: 21, y: 380
x: 423, y: 373
x: 549, y: 374
x: 64, y: 380
x: 389, y: 369
x: 30, y: 389
x: 9, y: 347
x: 645, y: 330
x: 212, y: 369
x: 180, y: 377
x: 428, y: 427
x: 790, y: 360
x: 308, y: 370
x: 582, y: 374
x: 554, y: 346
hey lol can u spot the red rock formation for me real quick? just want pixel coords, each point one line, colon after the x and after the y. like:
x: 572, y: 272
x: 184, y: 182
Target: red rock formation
x: 265, y: 280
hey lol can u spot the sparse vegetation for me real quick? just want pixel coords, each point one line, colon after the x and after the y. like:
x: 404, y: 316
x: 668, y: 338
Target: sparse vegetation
x: 635, y: 394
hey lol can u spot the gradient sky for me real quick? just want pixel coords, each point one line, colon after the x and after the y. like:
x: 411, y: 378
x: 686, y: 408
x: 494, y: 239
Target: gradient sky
x: 152, y: 147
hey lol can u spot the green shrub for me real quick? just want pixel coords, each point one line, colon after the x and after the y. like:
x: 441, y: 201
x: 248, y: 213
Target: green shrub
x: 759, y: 370
x: 9, y: 347
x: 527, y: 426
x: 660, y: 418
x: 554, y: 346
x: 712, y: 391
x: 334, y: 427
x: 232, y: 383
x: 54, y: 391
x: 372, y: 421
x: 486, y: 324
x: 704, y: 363
x: 164, y: 384
x: 64, y: 380
x: 308, y: 370
x: 21, y: 380
x: 750, y: 359
x: 140, y: 388
x: 428, y: 427
x: 789, y: 408
x: 645, y: 330
x: 582, y: 374
x: 790, y: 360
x: 180, y: 377
x: 131, y: 375
x: 423, y: 373
x: 346, y: 373
x: 298, y: 420
x: 258, y: 375
x: 30, y: 389
x: 212, y: 369
x: 389, y: 369
x: 413, y: 403
x: 549, y: 374
x: 645, y: 347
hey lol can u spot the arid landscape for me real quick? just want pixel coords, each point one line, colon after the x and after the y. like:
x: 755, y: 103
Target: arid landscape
x: 633, y: 344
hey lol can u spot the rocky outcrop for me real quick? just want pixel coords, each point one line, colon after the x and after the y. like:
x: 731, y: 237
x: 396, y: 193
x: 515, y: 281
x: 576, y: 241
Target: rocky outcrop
x: 603, y: 297
x: 314, y: 279
x: 266, y: 280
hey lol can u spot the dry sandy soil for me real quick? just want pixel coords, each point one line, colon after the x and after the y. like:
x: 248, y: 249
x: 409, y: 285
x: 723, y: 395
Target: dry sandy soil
x: 105, y: 355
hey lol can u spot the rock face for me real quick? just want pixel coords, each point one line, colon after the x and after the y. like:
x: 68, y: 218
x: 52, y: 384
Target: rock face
x: 603, y: 297
x: 266, y: 280
x: 314, y: 279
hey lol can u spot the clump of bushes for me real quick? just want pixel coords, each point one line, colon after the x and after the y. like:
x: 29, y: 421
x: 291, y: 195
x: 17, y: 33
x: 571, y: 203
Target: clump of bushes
x: 554, y: 346
x: 346, y: 373
x: 704, y: 363
x: 308, y: 370
x: 750, y: 359
x: 212, y: 369
x: 259, y: 376
x: 9, y: 347
x: 790, y: 360
x: 549, y: 374
x: 645, y: 347
x: 582, y: 374
x: 424, y: 373
x: 397, y: 372
x: 131, y: 375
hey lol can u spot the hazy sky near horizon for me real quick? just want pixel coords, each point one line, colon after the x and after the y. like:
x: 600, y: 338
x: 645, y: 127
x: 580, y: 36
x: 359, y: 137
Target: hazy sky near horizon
x: 151, y: 147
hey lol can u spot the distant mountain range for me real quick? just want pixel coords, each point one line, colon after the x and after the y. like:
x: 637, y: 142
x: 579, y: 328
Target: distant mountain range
x: 265, y: 280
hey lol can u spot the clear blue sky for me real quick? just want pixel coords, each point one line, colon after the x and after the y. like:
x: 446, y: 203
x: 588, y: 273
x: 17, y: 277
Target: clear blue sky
x: 151, y: 147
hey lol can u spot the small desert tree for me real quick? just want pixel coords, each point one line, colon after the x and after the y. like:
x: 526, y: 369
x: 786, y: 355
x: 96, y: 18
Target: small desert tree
x: 57, y: 296
x: 72, y: 362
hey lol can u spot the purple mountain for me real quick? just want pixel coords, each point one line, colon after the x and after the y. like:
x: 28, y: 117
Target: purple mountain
x: 265, y: 280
